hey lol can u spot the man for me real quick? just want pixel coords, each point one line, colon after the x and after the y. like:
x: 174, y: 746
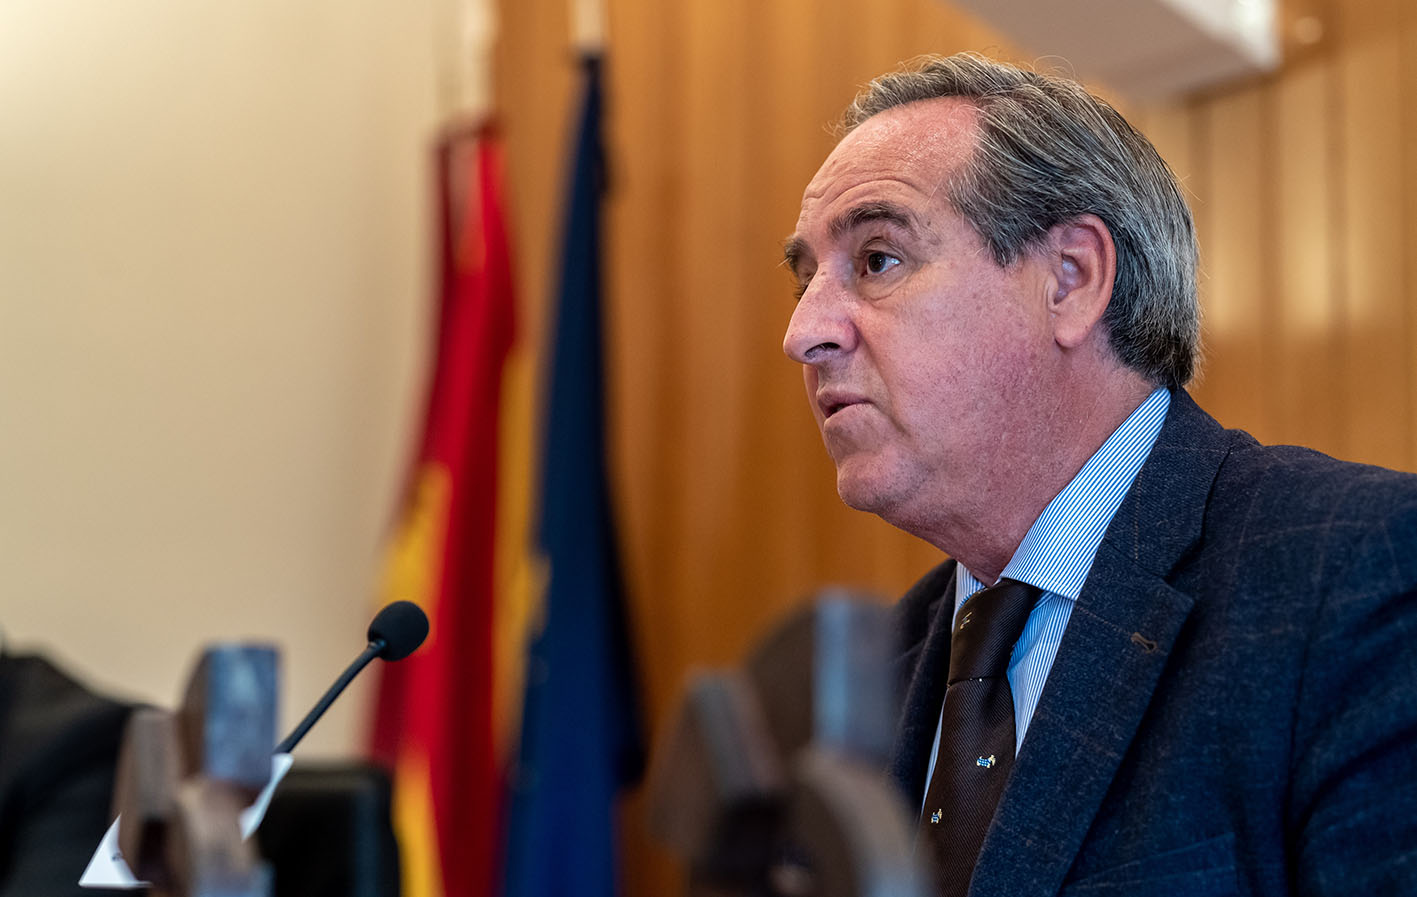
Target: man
x: 1205, y: 649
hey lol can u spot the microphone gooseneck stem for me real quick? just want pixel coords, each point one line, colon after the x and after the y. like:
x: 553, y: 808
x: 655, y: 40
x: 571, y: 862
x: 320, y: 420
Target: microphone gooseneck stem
x: 360, y: 662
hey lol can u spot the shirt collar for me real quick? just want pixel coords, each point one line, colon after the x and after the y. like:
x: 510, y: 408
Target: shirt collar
x: 1056, y: 553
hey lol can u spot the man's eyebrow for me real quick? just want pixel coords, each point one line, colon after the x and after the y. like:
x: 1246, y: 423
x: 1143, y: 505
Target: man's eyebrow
x: 868, y: 212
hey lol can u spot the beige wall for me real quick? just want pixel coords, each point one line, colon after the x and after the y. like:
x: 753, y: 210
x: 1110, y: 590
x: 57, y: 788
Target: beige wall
x: 212, y: 302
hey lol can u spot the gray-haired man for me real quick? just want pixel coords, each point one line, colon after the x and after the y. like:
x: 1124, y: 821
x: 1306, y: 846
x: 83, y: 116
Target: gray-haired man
x: 1205, y: 650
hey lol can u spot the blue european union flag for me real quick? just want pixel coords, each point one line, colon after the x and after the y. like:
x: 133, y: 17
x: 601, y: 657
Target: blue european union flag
x: 581, y: 734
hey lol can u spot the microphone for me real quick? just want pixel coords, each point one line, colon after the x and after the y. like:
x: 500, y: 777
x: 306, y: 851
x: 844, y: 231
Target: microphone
x: 396, y: 632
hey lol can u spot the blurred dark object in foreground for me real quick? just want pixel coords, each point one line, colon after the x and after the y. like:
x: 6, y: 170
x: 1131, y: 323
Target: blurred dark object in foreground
x: 329, y: 832
x: 771, y: 781
x: 58, y: 747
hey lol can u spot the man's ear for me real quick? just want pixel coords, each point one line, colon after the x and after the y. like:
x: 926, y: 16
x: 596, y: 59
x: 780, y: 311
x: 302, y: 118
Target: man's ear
x: 1082, y: 261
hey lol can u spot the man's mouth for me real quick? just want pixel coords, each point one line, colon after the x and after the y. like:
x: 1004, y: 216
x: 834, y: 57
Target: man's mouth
x: 832, y: 402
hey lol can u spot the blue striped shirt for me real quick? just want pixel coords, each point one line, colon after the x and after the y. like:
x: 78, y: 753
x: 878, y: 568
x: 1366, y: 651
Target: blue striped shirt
x: 1057, y: 553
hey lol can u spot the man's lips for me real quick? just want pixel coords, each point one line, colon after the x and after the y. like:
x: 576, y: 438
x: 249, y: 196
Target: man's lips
x: 830, y: 402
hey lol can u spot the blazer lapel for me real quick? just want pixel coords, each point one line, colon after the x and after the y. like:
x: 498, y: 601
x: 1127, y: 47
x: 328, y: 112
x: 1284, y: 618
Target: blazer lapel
x: 1111, y: 657
x: 922, y: 671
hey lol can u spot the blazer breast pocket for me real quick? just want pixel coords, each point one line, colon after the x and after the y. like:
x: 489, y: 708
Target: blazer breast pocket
x: 1204, y: 869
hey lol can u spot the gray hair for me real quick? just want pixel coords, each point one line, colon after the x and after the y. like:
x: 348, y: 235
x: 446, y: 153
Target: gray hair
x: 1047, y: 152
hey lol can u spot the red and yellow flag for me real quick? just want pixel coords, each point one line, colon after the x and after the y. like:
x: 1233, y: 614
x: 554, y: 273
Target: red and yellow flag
x: 443, y: 713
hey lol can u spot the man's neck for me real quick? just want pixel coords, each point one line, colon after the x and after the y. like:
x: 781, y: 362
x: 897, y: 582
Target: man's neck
x: 985, y: 535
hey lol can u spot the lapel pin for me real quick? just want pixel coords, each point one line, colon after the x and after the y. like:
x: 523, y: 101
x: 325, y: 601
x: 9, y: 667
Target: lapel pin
x: 986, y: 762
x: 935, y: 817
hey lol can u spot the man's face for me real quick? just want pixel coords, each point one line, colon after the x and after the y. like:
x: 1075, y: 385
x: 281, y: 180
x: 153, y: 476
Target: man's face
x: 921, y: 355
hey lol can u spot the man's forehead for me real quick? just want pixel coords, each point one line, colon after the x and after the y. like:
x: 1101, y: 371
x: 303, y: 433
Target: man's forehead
x: 917, y: 144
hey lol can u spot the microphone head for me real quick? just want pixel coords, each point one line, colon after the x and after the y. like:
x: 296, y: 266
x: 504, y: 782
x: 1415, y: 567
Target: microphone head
x: 401, y: 626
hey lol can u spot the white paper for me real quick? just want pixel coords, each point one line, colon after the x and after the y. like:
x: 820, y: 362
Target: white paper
x: 251, y: 816
x: 108, y: 869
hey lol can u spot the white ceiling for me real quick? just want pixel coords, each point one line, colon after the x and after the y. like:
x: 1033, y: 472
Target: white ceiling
x: 1144, y: 48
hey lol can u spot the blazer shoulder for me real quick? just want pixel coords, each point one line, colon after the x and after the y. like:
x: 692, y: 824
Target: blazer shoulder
x: 1297, y: 489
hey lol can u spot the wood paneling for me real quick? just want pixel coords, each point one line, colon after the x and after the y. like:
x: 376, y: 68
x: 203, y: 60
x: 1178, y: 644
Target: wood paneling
x: 1307, y: 310
x: 1233, y: 231
x: 1371, y: 183
x: 1304, y: 185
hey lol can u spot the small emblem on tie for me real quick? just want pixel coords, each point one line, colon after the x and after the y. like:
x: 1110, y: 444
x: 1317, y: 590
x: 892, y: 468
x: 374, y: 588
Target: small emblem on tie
x: 935, y: 817
x: 986, y: 762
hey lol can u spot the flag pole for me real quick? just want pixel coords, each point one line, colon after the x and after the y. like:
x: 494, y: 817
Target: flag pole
x: 588, y: 26
x: 469, y: 74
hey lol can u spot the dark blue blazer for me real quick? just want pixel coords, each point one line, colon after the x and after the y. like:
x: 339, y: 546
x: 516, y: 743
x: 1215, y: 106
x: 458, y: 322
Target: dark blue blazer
x: 1233, y: 708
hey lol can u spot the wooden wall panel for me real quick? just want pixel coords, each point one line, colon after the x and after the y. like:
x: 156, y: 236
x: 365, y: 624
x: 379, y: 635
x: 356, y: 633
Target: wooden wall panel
x: 1232, y: 229
x: 1172, y: 130
x: 1371, y: 180
x: 790, y: 116
x: 1408, y: 112
x: 643, y: 82
x: 1307, y: 311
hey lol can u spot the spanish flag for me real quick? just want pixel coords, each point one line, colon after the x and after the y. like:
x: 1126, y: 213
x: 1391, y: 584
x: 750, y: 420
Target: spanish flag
x: 458, y: 542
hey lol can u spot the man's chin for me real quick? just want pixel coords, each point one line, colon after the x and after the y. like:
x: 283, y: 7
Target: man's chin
x: 862, y: 491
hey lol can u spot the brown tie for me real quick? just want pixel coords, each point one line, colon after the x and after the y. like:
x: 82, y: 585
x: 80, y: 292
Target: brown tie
x: 976, y: 731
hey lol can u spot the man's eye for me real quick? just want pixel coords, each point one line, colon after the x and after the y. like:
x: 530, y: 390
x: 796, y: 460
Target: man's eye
x: 878, y: 262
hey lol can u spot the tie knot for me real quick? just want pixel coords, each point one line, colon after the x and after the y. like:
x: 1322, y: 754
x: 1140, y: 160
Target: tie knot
x: 988, y: 625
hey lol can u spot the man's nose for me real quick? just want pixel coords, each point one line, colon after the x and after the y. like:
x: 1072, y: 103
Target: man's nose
x: 821, y: 326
